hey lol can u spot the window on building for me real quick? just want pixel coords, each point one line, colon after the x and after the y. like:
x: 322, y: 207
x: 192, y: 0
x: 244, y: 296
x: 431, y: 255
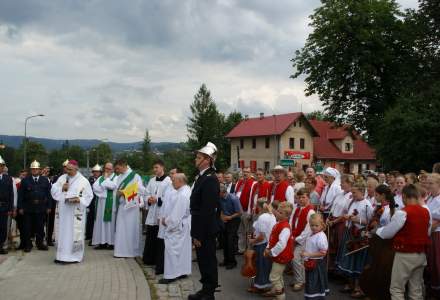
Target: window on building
x: 254, y: 143
x: 294, y: 124
x: 241, y: 143
x: 267, y: 166
x: 368, y: 167
x: 292, y: 143
x: 359, y: 168
x: 347, y: 147
x: 253, y: 165
x: 299, y: 124
x: 302, y: 143
x: 267, y: 142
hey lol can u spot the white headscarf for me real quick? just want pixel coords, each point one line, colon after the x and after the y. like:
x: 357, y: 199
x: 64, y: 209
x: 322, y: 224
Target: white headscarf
x: 330, y: 192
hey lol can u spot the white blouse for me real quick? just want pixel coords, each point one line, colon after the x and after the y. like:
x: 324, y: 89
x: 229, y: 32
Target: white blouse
x: 385, y: 218
x: 263, y: 225
x: 316, y: 243
x: 399, y: 201
x: 365, y: 211
x: 433, y: 204
x: 340, y: 205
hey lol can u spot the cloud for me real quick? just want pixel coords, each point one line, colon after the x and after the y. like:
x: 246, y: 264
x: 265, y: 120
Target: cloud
x: 111, y: 69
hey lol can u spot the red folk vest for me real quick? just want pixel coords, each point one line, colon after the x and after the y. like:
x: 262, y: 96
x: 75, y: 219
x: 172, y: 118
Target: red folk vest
x: 279, y: 190
x: 287, y: 254
x: 246, y: 193
x: 301, y: 215
x: 261, y: 190
x: 413, y: 237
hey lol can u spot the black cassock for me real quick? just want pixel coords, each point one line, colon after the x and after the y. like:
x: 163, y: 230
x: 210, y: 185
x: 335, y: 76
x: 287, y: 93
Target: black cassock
x: 205, y: 224
x: 90, y: 221
x: 6, y: 206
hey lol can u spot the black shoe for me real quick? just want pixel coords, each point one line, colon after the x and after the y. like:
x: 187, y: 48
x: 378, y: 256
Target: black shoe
x: 3, y: 251
x: 196, y: 296
x: 57, y: 261
x: 100, y: 247
x: 182, y: 276
x: 27, y: 250
x: 222, y: 264
x: 200, y: 295
x: 166, y: 281
x: 158, y: 273
x: 110, y: 247
x: 42, y: 247
x: 231, y: 266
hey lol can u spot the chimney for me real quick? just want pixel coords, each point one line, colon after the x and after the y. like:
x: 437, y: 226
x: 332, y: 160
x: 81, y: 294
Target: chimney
x: 261, y: 115
x: 246, y: 117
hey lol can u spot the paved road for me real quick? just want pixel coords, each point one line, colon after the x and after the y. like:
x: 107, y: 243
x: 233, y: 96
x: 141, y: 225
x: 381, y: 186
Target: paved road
x: 234, y: 286
x: 35, y: 276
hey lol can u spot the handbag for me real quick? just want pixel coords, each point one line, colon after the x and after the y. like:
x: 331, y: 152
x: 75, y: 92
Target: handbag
x: 310, y: 264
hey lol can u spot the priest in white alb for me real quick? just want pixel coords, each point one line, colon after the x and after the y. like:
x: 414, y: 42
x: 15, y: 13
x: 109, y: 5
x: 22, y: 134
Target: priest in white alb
x: 128, y: 196
x: 73, y: 193
x: 104, y: 226
x: 178, y: 232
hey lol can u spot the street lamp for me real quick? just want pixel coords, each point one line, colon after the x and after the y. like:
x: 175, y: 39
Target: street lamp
x: 25, y: 137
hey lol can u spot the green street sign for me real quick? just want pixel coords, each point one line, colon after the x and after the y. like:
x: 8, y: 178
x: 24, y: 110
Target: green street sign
x: 287, y: 162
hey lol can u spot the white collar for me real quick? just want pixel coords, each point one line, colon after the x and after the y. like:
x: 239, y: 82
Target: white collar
x: 203, y: 171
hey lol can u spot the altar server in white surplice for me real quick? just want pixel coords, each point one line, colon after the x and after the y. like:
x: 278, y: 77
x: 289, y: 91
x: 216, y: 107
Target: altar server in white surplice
x: 178, y: 232
x: 127, y: 237
x: 73, y: 193
x: 105, y: 222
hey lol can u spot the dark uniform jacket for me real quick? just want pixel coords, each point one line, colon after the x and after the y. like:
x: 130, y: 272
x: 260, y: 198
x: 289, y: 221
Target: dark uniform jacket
x: 204, y: 205
x: 34, y: 197
x: 6, y: 194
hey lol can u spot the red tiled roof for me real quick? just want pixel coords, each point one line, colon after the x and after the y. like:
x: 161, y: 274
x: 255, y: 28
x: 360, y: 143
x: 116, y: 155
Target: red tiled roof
x: 324, y: 148
x: 266, y: 126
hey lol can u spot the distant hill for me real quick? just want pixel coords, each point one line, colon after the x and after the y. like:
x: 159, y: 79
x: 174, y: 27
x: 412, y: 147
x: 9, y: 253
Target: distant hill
x: 14, y: 141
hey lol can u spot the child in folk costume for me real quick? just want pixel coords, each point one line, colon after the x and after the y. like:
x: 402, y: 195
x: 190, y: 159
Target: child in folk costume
x: 336, y: 219
x: 279, y: 249
x: 315, y: 265
x: 262, y: 229
x: 300, y: 232
x: 409, y: 228
x: 357, y: 218
x: 433, y: 203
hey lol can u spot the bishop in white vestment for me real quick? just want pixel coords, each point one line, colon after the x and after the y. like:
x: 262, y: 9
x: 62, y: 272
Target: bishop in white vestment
x: 127, y: 237
x: 178, y: 232
x: 104, y: 227
x: 73, y: 193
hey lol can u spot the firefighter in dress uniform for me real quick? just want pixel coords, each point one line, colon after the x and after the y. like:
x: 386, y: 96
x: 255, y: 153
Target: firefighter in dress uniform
x: 34, y: 204
x: 205, y: 220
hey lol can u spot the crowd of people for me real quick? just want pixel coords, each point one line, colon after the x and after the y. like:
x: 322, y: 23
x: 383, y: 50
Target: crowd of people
x: 378, y: 232
x: 301, y: 225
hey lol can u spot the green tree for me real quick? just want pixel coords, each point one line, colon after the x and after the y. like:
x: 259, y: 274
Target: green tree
x: 408, y: 139
x: 319, y: 115
x: 146, y: 152
x: 206, y: 125
x: 101, y: 154
x: 356, y: 60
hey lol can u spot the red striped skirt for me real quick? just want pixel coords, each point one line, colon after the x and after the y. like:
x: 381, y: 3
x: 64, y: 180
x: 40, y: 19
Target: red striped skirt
x: 434, y: 261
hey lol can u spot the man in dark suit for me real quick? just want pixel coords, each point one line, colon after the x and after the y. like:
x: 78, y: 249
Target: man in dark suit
x: 6, y: 203
x: 34, y: 203
x: 205, y: 222
x: 230, y: 185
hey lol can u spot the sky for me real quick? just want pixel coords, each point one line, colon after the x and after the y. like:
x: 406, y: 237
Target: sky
x: 110, y: 69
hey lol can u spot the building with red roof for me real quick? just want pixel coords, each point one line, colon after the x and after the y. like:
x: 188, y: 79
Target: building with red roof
x: 292, y: 140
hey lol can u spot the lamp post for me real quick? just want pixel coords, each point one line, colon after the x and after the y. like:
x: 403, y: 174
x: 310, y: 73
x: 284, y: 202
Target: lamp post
x: 25, y: 137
